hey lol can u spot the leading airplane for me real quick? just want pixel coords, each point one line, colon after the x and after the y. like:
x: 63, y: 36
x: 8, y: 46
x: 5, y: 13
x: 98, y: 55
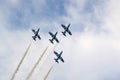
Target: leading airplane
x: 66, y: 28
x: 36, y: 34
x: 53, y: 37
x: 58, y: 56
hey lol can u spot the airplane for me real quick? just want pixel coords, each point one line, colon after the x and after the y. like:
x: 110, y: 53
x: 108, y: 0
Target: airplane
x: 53, y: 37
x: 66, y: 28
x: 36, y: 34
x: 58, y: 56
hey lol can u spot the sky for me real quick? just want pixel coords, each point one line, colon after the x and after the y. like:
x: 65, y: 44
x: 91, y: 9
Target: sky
x: 91, y: 53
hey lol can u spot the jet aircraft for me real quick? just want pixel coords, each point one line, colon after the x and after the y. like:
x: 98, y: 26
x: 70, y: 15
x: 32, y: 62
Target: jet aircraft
x: 58, y: 56
x: 53, y: 37
x: 66, y: 28
x: 36, y: 34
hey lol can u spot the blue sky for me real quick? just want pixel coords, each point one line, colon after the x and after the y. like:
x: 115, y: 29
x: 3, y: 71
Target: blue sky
x: 24, y: 13
x: 91, y: 53
x: 27, y: 11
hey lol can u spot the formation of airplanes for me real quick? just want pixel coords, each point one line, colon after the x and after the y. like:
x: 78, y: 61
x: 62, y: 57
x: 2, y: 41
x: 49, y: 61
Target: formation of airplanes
x: 36, y: 34
x: 58, y: 56
x: 54, y: 38
x: 66, y: 29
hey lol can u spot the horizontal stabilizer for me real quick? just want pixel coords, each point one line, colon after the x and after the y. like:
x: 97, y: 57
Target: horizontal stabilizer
x: 34, y: 38
x: 51, y: 41
x: 56, y: 60
x: 64, y: 33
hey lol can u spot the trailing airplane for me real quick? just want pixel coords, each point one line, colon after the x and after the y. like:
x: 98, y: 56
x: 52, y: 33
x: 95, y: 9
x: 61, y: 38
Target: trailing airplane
x: 53, y: 37
x: 58, y: 56
x: 66, y: 28
x: 36, y: 34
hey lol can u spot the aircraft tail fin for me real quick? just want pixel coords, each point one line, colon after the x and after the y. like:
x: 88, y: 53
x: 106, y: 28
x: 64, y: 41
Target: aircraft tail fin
x: 56, y: 60
x: 34, y: 38
x: 64, y: 33
x: 51, y: 41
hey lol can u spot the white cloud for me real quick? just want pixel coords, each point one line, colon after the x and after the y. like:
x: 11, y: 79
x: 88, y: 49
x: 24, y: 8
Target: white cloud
x: 112, y: 17
x: 94, y: 57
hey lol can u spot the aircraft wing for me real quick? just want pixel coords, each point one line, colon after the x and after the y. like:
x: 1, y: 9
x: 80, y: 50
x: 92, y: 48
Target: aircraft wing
x: 56, y: 53
x: 63, y: 26
x: 51, y: 34
x: 33, y: 31
x: 56, y: 40
x: 38, y: 37
x: 69, y: 32
x: 61, y: 59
